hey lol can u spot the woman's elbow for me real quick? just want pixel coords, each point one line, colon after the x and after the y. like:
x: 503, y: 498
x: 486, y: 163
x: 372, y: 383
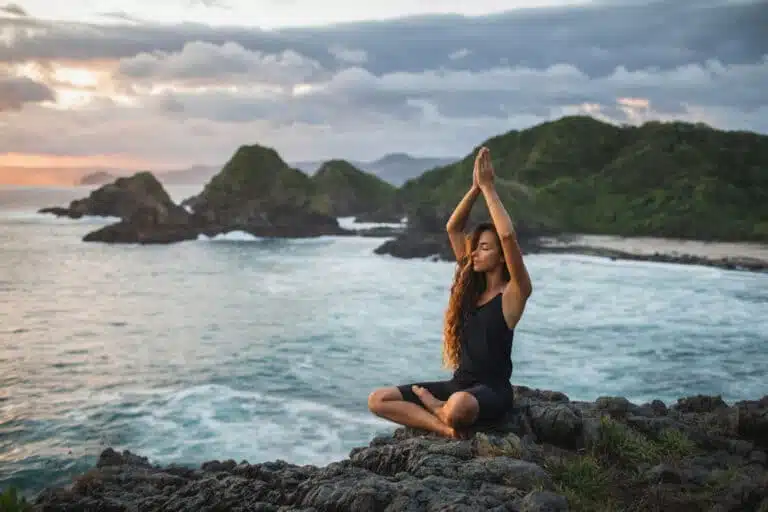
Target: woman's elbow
x: 527, y: 289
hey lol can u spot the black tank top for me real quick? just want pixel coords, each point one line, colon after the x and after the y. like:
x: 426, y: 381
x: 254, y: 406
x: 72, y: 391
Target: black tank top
x: 486, y: 347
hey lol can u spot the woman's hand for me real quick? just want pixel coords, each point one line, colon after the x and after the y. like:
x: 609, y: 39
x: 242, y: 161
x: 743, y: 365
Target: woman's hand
x: 483, y: 174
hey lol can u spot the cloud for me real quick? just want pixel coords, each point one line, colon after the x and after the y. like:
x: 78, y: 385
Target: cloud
x: 497, y: 92
x: 428, y: 84
x: 218, y: 4
x: 595, y: 39
x: 121, y: 16
x: 15, y: 92
x: 210, y: 63
x: 347, y: 55
x: 14, y: 9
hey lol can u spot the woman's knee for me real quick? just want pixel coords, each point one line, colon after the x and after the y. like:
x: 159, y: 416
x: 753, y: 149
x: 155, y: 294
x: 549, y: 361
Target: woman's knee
x: 461, y: 409
x: 378, y: 396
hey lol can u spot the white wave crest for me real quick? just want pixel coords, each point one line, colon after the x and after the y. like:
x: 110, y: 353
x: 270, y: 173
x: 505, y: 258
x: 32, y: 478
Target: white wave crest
x: 214, y: 421
x: 48, y: 218
x: 230, y: 236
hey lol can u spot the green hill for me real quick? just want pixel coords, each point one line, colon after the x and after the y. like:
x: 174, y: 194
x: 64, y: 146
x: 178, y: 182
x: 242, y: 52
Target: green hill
x: 342, y: 189
x: 253, y: 183
x: 581, y: 175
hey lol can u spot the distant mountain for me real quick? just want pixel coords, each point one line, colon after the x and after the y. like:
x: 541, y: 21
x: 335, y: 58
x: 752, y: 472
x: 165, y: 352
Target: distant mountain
x: 394, y: 168
x: 397, y: 168
x: 96, y: 178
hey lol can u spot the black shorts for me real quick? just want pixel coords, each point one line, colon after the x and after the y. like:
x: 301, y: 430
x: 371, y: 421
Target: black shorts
x: 494, y: 402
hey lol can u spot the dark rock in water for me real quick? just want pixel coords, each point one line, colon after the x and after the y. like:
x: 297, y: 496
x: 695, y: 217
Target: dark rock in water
x: 61, y: 211
x: 147, y: 226
x: 386, y: 215
x: 412, y: 244
x: 549, y: 454
x: 256, y: 192
x: 380, y: 232
x: 147, y: 213
x: 425, y: 236
x: 122, y: 198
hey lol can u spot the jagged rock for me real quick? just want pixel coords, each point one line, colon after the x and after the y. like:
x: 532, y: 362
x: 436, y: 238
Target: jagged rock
x: 147, y: 226
x: 385, y: 215
x: 257, y: 192
x: 147, y: 213
x: 123, y: 198
x: 425, y: 237
x: 536, y: 459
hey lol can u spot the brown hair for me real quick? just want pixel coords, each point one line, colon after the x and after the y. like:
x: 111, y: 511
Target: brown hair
x: 466, y: 289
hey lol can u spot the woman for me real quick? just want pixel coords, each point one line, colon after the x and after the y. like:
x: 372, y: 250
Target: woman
x: 487, y: 299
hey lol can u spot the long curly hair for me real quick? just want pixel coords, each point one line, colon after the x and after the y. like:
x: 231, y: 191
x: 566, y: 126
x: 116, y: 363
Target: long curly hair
x: 466, y: 290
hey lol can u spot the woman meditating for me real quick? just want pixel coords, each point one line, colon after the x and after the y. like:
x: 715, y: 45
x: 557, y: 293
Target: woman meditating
x: 488, y: 297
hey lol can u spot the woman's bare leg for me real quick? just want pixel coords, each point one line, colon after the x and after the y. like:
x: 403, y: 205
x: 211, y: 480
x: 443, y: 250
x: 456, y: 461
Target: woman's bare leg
x: 388, y: 403
x: 459, y: 411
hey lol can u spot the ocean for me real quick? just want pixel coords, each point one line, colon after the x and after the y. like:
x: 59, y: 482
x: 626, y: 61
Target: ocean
x: 258, y: 349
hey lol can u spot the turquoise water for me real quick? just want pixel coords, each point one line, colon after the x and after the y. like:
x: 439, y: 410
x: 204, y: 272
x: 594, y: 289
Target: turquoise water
x: 264, y: 349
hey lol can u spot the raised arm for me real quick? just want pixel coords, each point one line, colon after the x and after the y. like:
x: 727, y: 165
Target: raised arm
x: 458, y: 220
x: 519, y: 287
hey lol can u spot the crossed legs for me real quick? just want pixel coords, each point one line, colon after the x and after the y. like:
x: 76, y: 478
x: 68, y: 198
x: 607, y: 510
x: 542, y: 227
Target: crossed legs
x: 448, y: 416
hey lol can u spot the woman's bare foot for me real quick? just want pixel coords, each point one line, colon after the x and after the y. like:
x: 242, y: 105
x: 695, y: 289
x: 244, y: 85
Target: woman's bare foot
x: 432, y: 404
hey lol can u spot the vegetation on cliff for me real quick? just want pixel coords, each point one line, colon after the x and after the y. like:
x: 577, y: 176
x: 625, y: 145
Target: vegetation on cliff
x: 256, y: 181
x: 253, y: 182
x: 578, y: 174
x: 342, y: 189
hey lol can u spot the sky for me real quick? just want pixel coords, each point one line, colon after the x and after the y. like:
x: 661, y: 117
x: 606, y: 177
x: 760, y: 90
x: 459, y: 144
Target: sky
x: 159, y: 84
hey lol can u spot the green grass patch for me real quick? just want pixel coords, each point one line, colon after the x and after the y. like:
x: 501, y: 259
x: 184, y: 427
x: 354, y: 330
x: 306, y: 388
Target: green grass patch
x: 605, y: 477
x: 12, y: 501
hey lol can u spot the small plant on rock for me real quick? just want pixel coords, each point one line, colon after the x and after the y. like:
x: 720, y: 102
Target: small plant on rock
x: 11, y: 501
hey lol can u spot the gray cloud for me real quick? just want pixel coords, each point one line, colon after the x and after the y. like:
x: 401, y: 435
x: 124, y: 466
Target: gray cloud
x: 439, y: 82
x: 14, y: 9
x: 499, y: 93
x: 15, y: 92
x: 212, y: 63
x: 596, y: 39
x: 219, y: 4
x: 121, y: 16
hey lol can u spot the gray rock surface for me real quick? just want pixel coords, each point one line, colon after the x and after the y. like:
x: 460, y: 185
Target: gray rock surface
x: 549, y: 454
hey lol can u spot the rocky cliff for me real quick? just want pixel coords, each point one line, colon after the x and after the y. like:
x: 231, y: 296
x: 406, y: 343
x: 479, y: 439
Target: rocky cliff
x: 549, y: 454
x: 257, y: 192
x: 343, y: 190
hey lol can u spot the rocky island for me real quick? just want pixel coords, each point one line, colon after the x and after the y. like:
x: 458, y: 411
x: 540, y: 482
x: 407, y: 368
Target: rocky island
x: 576, y: 175
x: 255, y: 192
x: 550, y: 454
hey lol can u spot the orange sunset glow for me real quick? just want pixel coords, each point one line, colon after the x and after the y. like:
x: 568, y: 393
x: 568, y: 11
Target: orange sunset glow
x: 78, y: 162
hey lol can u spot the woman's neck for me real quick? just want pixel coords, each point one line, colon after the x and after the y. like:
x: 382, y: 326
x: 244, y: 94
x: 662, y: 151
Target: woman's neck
x: 494, y: 280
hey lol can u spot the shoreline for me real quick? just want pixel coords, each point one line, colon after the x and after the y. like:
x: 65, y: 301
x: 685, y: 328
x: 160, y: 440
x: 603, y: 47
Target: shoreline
x: 400, y: 243
x: 742, y: 256
x: 550, y: 453
x: 749, y: 256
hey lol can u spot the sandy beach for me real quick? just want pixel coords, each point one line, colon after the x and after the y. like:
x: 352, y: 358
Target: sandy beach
x: 651, y: 246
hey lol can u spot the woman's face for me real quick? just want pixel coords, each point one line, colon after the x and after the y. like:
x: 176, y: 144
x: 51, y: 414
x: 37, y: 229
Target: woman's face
x: 487, y: 254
